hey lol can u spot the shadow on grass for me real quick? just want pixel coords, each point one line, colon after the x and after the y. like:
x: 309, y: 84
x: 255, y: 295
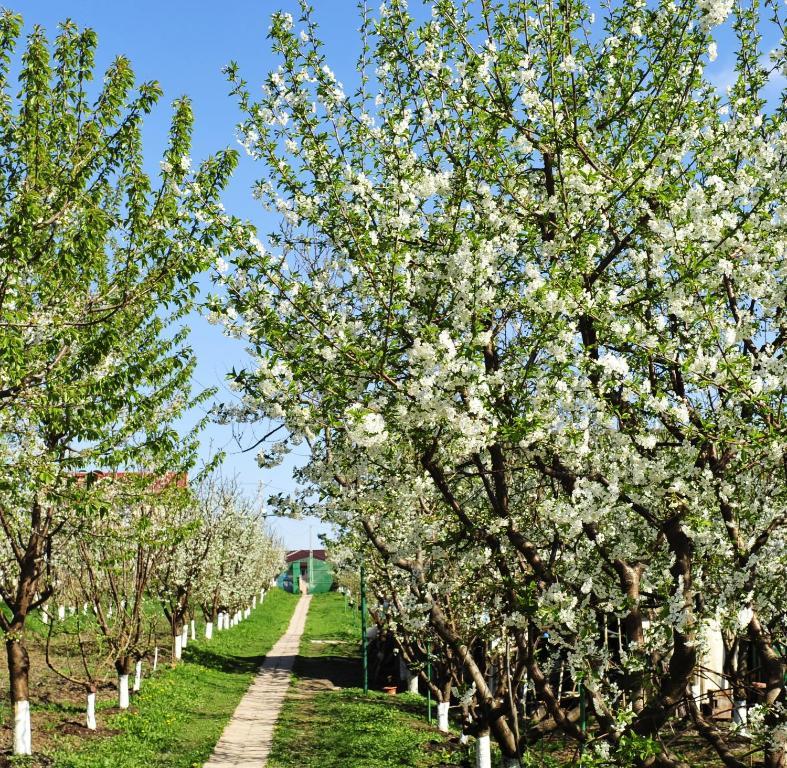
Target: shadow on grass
x: 224, y: 662
x: 338, y: 671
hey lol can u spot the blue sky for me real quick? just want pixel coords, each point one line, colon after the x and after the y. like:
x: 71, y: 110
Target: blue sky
x: 184, y: 45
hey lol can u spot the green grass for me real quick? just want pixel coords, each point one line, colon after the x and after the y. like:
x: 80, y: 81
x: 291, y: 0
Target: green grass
x: 331, y: 630
x: 344, y: 728
x: 179, y: 715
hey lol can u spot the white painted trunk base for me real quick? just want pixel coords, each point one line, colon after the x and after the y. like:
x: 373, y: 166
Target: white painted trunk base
x: 483, y: 752
x: 254, y: 602
x: 155, y: 658
x: 23, y: 739
x: 178, y: 647
x: 412, y: 685
x: 90, y: 714
x: 209, y: 630
x: 193, y: 630
x: 61, y: 612
x: 740, y: 715
x: 185, y: 637
x: 464, y: 738
x: 137, y: 676
x: 442, y: 716
x: 123, y: 691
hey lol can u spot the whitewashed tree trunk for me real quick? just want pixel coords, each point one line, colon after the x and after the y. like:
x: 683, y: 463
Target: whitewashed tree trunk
x: 23, y: 738
x: 123, y: 691
x: 155, y: 658
x: 560, y: 682
x: 90, y: 714
x: 740, y: 714
x: 442, y: 716
x: 464, y: 738
x: 138, y: 676
x: 193, y: 630
x: 483, y: 752
x: 185, y: 637
x: 254, y: 602
x: 44, y: 616
x: 178, y: 646
x: 61, y: 612
x: 209, y: 630
x: 412, y: 685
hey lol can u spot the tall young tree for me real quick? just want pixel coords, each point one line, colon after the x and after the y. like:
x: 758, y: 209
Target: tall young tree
x: 98, y: 263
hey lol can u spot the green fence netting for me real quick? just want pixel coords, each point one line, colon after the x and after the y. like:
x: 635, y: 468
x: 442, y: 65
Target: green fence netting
x: 311, y: 572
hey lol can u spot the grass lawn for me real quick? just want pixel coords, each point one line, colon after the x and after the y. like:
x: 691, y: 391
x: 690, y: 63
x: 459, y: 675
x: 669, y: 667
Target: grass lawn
x: 331, y: 630
x: 180, y: 713
x: 345, y: 729
x: 325, y: 728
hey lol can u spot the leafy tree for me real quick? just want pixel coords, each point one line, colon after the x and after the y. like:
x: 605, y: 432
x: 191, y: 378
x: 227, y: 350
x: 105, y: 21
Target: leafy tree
x: 97, y: 269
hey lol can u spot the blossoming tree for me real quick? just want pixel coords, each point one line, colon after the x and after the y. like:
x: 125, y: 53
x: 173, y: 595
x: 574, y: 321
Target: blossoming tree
x: 529, y: 282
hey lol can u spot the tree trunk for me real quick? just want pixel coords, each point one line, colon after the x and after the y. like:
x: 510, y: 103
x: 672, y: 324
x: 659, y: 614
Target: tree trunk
x: 137, y: 676
x: 18, y: 673
x: 90, y: 713
x: 177, y: 650
x: 123, y: 667
x: 442, y: 716
x: 483, y: 751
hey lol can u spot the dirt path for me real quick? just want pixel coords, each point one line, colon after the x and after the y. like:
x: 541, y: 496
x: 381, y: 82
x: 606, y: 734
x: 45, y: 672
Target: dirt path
x: 246, y: 741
